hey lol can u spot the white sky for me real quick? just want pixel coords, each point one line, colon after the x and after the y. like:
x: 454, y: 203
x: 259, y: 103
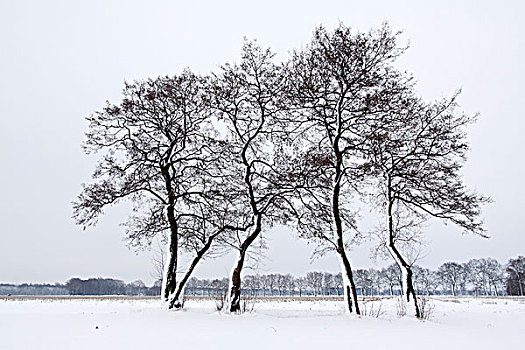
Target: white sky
x: 60, y: 60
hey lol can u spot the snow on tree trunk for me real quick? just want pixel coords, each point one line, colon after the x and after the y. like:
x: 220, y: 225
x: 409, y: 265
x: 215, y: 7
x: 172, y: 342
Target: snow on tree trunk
x: 169, y: 282
x: 349, y: 289
x: 407, y: 286
x: 177, y: 300
x: 170, y: 274
x: 234, y: 295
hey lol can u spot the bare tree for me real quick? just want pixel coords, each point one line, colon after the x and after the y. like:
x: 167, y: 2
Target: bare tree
x: 417, y: 151
x: 391, y: 276
x: 477, y: 276
x: 339, y: 282
x: 301, y: 284
x: 158, y: 260
x: 249, y: 283
x: 516, y: 276
x: 283, y: 283
x: 291, y: 284
x: 363, y: 281
x: 248, y: 97
x: 315, y: 281
x: 265, y: 283
x: 485, y: 273
x: 331, y: 81
x: 272, y: 283
x: 328, y: 283
x: 452, y: 275
x: 375, y: 279
x: 156, y: 146
x: 494, y: 274
x: 423, y: 279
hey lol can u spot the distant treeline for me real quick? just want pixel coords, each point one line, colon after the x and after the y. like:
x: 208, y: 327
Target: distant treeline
x: 476, y: 277
x: 109, y: 286
x: 77, y: 286
x: 484, y: 276
x: 33, y: 289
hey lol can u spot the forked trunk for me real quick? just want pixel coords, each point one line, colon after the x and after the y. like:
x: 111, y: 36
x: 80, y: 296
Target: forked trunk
x: 407, y: 284
x: 177, y: 301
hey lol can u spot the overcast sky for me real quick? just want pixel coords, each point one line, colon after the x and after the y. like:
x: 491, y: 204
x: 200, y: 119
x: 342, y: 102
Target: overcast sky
x: 60, y: 60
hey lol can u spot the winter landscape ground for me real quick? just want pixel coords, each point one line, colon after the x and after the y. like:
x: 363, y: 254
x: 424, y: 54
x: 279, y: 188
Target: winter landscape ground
x: 306, y: 323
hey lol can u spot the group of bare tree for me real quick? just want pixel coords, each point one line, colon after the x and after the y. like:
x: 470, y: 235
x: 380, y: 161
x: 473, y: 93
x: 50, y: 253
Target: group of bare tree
x: 477, y: 277
x: 516, y: 276
x: 32, y: 289
x: 108, y: 286
x: 211, y: 162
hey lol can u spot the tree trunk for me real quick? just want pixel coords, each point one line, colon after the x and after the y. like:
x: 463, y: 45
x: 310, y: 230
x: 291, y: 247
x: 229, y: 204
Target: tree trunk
x: 177, y: 301
x: 407, y: 280
x: 407, y: 285
x: 350, y: 292
x: 235, y: 283
x: 169, y: 282
x: 235, y: 280
x: 349, y: 288
x: 234, y: 296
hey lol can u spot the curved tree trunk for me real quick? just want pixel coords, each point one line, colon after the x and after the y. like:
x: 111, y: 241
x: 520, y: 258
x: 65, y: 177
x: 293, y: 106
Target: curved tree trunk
x: 350, y: 291
x: 407, y: 278
x: 177, y: 301
x: 169, y: 282
x: 349, y: 288
x: 234, y: 294
x: 407, y: 284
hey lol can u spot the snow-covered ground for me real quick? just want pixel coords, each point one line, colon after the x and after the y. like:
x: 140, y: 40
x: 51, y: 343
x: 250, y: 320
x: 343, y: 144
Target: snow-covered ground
x: 456, y: 323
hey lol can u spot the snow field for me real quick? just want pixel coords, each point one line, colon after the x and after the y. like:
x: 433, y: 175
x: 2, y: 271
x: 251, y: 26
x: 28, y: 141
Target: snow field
x: 456, y: 323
